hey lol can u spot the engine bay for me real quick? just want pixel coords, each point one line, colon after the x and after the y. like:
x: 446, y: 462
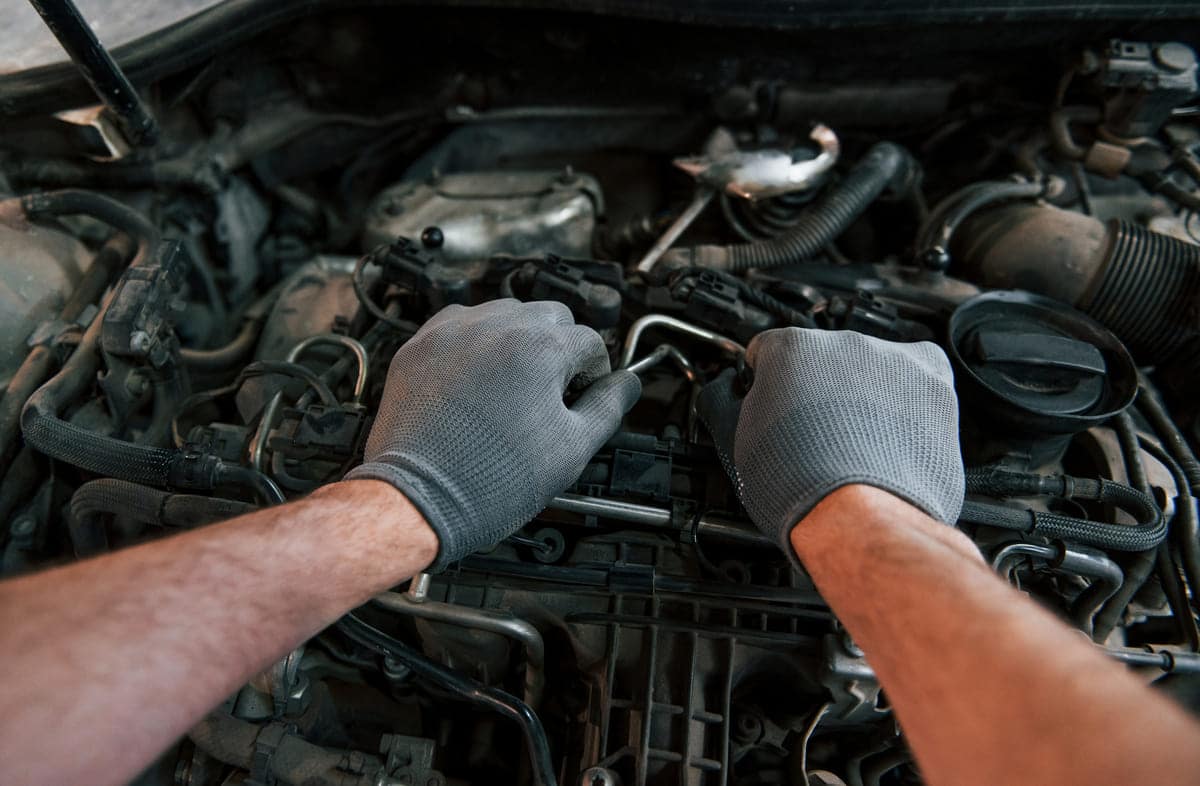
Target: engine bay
x: 198, y: 321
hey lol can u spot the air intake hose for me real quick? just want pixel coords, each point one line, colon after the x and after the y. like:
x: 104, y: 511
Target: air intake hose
x: 1142, y: 285
x: 885, y: 166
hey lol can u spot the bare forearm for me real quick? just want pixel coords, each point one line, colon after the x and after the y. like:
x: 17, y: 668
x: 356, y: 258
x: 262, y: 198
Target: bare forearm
x: 191, y: 617
x: 989, y: 688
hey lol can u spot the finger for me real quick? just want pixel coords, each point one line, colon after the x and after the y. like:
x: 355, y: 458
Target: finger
x: 719, y: 408
x: 768, y: 343
x: 551, y: 310
x: 761, y: 344
x: 585, y: 356
x: 451, y: 313
x: 602, y: 406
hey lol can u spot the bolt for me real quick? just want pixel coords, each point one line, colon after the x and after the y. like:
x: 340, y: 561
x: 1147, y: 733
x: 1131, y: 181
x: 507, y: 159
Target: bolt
x: 432, y: 237
x: 935, y: 259
x: 139, y: 342
x: 136, y: 384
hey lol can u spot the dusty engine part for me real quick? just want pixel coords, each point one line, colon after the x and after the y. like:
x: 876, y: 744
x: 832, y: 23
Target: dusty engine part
x: 40, y: 268
x: 318, y: 298
x: 486, y: 213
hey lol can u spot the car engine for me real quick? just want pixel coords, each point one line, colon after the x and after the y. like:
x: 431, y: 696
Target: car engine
x: 198, y: 313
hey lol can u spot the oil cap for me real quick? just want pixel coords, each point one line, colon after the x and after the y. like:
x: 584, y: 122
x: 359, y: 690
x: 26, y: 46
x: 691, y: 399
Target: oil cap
x: 1032, y: 369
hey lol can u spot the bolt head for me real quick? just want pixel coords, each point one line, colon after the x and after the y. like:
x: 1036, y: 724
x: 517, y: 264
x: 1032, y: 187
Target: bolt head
x: 432, y: 237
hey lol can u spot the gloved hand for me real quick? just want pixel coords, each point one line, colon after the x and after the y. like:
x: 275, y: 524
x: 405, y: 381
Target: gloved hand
x: 828, y: 409
x: 473, y: 428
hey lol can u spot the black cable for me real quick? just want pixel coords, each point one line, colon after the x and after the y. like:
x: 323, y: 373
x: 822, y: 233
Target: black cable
x: 1155, y: 411
x: 1138, y: 569
x: 460, y: 685
x: 356, y: 279
x: 264, y: 367
x: 262, y: 486
x: 933, y: 239
x: 1185, y: 525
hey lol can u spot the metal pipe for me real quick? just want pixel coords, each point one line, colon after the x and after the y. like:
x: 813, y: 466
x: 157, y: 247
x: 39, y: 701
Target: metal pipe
x: 662, y: 320
x: 1106, y: 574
x: 631, y: 512
x: 97, y: 66
x: 1006, y: 558
x: 415, y: 603
x: 267, y: 420
x: 650, y: 516
x: 1167, y: 660
x: 704, y: 195
x: 466, y: 688
x: 664, y: 352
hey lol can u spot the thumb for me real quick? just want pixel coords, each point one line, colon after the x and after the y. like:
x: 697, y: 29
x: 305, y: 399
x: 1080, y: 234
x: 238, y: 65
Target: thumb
x: 719, y: 408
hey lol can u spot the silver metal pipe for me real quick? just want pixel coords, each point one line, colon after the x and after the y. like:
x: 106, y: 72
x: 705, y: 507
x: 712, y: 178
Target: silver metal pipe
x: 613, y: 509
x: 1167, y: 660
x: 650, y: 516
x: 678, y: 325
x: 664, y: 352
x: 415, y: 603
x: 1107, y: 577
x: 267, y: 421
x: 1006, y: 558
x: 704, y: 195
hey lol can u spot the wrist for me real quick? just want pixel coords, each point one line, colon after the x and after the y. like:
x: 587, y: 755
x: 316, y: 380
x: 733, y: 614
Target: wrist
x: 861, y: 516
x: 404, y: 541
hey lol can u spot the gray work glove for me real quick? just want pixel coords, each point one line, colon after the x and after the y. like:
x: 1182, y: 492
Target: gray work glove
x: 473, y: 428
x: 827, y: 409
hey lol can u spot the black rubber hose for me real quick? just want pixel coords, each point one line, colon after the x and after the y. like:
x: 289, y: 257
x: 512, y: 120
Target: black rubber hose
x: 364, y: 297
x: 470, y: 690
x: 933, y: 239
x: 1136, y: 573
x: 886, y: 165
x: 76, y: 202
x: 1150, y: 405
x: 1176, y: 593
x: 142, y: 504
x: 40, y: 361
x: 1185, y: 525
x: 47, y: 433
x: 1139, y: 568
x: 1150, y: 530
x: 263, y: 487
